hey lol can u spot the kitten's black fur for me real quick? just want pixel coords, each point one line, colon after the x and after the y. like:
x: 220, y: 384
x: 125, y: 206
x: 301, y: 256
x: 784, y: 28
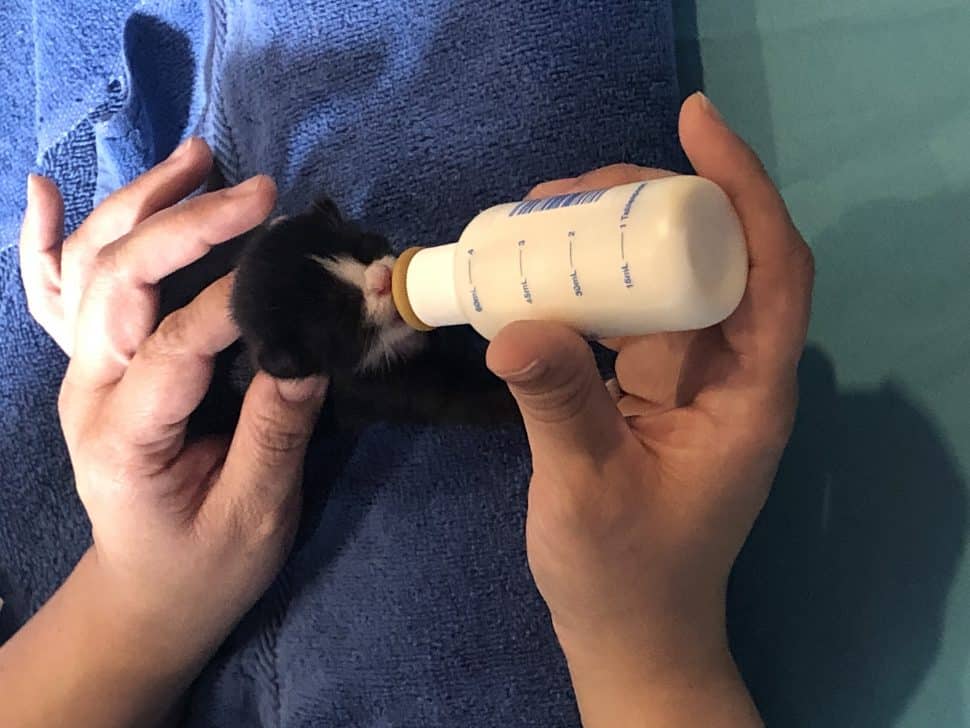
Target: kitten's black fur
x: 298, y: 319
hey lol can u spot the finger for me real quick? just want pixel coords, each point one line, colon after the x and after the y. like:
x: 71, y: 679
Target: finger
x: 769, y: 326
x: 265, y: 460
x: 567, y: 411
x: 650, y: 367
x: 551, y: 188
x: 119, y: 307
x: 170, y: 373
x: 181, y: 234
x: 160, y: 187
x: 614, y: 175
x: 40, y: 254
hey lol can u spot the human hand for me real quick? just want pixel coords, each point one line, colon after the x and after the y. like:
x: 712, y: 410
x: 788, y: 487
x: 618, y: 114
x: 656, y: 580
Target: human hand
x: 643, y: 493
x: 186, y: 535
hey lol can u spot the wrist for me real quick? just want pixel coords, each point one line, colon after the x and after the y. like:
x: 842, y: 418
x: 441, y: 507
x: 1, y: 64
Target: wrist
x: 669, y: 631
x: 86, y: 655
x: 663, y: 653
x: 158, y: 637
x: 659, y: 672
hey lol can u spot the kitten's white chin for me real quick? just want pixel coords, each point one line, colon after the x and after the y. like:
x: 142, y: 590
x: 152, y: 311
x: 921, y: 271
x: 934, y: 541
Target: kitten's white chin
x: 393, y: 342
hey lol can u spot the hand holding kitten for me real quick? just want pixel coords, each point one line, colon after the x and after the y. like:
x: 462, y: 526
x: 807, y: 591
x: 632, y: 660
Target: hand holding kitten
x: 187, y: 534
x: 641, y: 497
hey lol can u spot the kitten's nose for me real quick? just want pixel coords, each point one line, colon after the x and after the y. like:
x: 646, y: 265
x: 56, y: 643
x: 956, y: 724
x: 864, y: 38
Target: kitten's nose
x: 377, y: 278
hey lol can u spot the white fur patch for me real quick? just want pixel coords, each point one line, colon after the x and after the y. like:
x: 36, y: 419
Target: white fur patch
x: 394, y: 339
x: 350, y: 270
x: 393, y: 342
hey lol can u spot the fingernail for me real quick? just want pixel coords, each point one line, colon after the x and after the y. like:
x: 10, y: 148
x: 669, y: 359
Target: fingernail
x: 180, y: 150
x: 31, y: 181
x: 709, y: 107
x: 527, y: 373
x: 302, y: 390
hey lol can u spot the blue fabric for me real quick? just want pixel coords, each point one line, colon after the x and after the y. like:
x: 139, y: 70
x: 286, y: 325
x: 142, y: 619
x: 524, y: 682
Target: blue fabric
x: 407, y: 600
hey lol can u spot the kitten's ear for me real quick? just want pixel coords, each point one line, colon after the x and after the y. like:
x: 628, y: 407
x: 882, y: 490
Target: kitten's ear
x: 371, y: 246
x: 326, y: 212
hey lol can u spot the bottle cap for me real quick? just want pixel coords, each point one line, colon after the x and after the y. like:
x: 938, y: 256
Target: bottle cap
x: 399, y: 290
x: 426, y: 291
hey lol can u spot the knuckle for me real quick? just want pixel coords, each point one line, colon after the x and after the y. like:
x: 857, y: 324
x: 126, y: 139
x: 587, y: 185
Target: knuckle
x: 172, y: 333
x: 561, y: 403
x: 625, y: 169
x: 275, y: 525
x: 273, y: 439
x: 184, y: 218
x: 121, y: 209
x: 618, y: 173
x: 108, y: 265
x: 257, y: 527
x: 549, y: 188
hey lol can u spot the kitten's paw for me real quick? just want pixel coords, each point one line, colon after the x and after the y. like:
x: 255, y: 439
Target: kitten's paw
x: 286, y: 361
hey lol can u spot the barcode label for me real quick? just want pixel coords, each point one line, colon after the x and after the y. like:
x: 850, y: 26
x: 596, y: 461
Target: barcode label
x: 553, y: 203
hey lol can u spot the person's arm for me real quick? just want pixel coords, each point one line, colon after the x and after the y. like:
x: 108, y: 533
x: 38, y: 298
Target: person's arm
x: 186, y: 534
x: 85, y: 656
x: 688, y: 679
x: 644, y: 491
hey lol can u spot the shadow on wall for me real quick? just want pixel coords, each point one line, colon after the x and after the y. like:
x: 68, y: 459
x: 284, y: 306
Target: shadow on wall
x: 728, y: 34
x: 837, y: 601
x: 690, y: 65
x: 840, y: 596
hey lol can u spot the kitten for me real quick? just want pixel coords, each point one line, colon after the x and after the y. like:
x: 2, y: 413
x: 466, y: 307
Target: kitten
x: 312, y: 295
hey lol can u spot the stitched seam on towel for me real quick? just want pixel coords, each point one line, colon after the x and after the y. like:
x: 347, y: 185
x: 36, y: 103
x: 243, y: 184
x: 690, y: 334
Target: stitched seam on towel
x: 47, y: 160
x: 281, y: 605
x: 273, y: 609
x: 222, y: 130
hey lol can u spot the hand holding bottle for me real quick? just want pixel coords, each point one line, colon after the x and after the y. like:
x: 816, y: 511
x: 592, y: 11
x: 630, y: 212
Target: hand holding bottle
x: 641, y: 499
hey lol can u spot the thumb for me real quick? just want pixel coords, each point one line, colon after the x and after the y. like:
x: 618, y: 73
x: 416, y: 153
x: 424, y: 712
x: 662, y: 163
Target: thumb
x: 265, y: 460
x: 565, y: 406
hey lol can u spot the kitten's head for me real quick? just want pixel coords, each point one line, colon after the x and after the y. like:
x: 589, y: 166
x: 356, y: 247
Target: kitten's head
x: 313, y: 295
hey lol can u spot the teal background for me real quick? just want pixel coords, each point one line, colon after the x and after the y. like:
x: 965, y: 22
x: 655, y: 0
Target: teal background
x: 850, y: 605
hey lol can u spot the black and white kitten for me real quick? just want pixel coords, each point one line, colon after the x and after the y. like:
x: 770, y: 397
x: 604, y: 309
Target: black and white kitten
x: 312, y: 295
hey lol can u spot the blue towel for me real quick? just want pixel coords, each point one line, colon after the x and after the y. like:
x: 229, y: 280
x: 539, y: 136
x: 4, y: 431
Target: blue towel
x: 407, y: 599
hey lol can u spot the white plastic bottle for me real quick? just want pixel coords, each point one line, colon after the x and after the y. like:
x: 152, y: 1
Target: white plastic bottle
x: 663, y: 255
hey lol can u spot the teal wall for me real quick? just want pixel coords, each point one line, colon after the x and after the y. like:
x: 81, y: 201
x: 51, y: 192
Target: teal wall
x: 850, y: 605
